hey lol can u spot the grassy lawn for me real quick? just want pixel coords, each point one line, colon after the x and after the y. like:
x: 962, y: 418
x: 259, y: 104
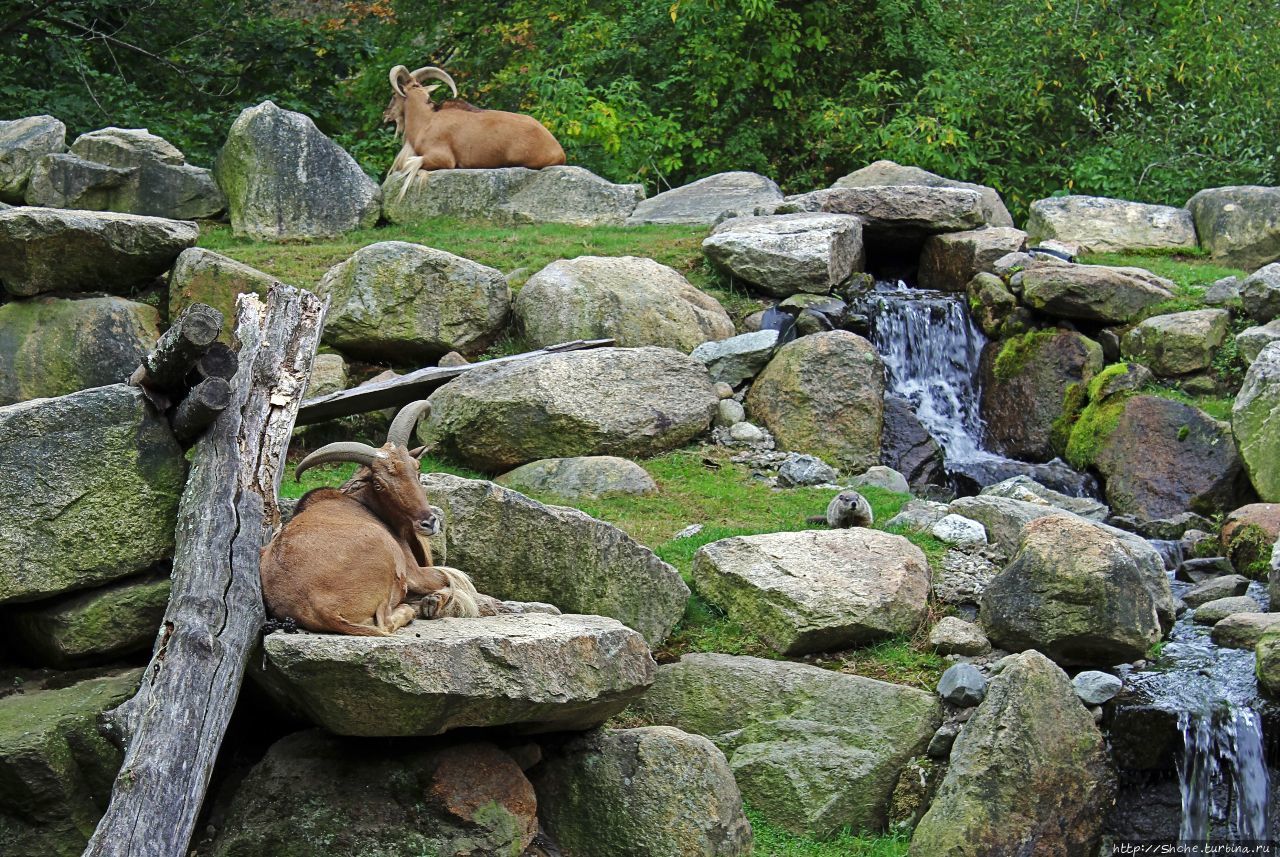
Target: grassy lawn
x: 518, y: 251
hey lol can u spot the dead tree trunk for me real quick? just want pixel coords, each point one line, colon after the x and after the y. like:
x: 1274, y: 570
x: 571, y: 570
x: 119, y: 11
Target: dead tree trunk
x: 174, y: 725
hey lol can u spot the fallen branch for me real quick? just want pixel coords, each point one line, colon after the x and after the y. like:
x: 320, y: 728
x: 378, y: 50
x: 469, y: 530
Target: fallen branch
x: 174, y: 725
x: 397, y: 392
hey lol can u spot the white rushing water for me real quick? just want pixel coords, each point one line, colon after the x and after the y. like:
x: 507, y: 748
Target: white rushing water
x: 931, y: 350
x: 1223, y: 755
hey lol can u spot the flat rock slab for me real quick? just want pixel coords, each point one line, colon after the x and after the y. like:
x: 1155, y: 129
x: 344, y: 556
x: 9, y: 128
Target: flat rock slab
x: 816, y: 590
x: 788, y: 253
x: 890, y: 173
x: 707, y: 200
x: 563, y: 194
x: 48, y: 249
x: 537, y: 672
x: 900, y: 209
x: 1101, y: 225
x: 1092, y: 292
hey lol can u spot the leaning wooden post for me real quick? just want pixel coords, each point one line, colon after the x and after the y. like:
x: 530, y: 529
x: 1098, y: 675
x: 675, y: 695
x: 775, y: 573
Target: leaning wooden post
x: 175, y: 724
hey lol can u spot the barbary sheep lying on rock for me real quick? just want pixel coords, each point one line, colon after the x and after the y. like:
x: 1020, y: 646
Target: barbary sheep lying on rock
x: 456, y: 135
x: 349, y: 557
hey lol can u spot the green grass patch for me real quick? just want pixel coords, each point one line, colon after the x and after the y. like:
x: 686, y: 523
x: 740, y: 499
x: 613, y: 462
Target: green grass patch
x: 1218, y: 407
x: 519, y: 251
x: 1189, y: 270
x: 900, y: 660
x: 773, y: 841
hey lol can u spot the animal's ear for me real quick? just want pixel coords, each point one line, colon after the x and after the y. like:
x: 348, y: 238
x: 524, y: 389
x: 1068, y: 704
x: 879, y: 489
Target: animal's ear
x: 417, y: 452
x: 431, y: 89
x: 353, y: 485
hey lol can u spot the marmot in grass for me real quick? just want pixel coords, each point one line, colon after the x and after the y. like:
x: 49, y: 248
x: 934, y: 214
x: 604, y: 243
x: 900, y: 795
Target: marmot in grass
x: 846, y: 509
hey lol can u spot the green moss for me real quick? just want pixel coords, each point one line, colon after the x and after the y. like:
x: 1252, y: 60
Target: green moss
x: 1018, y: 351
x: 1073, y: 402
x: 1096, y: 423
x: 1249, y: 550
x: 1107, y: 374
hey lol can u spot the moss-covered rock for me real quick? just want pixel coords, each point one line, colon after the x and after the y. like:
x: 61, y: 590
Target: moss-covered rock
x: 53, y: 250
x: 813, y: 750
x: 1027, y: 389
x: 1029, y: 773
x: 94, y: 625
x: 1092, y: 292
x: 315, y: 795
x: 399, y: 302
x: 22, y: 143
x: 824, y: 395
x: 202, y: 276
x: 284, y: 179
x: 647, y: 792
x: 91, y: 492
x: 1247, y: 538
x: 1268, y: 662
x: 1255, y: 419
x: 1179, y: 343
x: 55, y: 346
x: 993, y: 306
x: 587, y: 477
x: 562, y: 556
x: 56, y: 768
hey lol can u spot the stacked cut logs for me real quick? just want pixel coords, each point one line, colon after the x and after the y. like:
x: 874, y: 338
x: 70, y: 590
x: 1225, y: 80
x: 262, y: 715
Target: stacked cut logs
x: 187, y: 375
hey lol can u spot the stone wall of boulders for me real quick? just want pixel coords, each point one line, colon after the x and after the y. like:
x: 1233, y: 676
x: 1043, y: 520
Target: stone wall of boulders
x: 1008, y: 754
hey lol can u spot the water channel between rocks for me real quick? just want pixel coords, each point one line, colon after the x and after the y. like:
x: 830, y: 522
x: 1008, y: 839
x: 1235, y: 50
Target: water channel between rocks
x: 1195, y: 745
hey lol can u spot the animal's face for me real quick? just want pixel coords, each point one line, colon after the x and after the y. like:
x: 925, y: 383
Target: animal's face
x: 395, y: 113
x: 396, y: 491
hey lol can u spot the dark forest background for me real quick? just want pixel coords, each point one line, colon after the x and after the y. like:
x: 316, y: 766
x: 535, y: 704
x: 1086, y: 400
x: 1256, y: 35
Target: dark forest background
x: 1147, y: 100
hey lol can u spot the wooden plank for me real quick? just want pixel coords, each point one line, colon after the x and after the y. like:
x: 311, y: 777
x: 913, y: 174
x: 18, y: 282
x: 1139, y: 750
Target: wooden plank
x: 396, y: 392
x: 174, y: 725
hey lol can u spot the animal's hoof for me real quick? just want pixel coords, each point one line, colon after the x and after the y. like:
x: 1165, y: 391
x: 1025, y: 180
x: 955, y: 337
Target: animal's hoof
x: 433, y: 605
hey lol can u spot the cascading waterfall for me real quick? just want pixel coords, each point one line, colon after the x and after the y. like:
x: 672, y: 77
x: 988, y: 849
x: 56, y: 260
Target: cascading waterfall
x: 931, y: 349
x: 1223, y: 755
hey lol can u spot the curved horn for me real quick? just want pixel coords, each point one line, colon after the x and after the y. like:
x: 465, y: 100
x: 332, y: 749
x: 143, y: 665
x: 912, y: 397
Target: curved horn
x: 346, y: 450
x: 396, y: 73
x: 430, y: 72
x: 401, y: 431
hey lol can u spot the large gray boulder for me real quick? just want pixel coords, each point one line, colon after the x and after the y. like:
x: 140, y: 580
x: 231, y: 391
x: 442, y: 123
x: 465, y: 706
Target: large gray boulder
x: 1178, y: 343
x: 1029, y: 773
x: 738, y: 358
x: 535, y: 671
x: 1255, y: 422
x: 824, y: 395
x: 1077, y: 593
x: 1027, y: 489
x: 284, y: 179
x: 1160, y: 458
x: 317, y: 795
x: 879, y: 173
x: 570, y: 195
x: 949, y: 261
x: 1091, y: 292
x: 144, y: 174
x: 788, y: 253
x: 50, y: 250
x: 648, y: 792
x: 588, y: 477
x: 91, y: 493
x: 399, y: 302
x: 707, y: 200
x: 518, y: 549
x: 631, y: 402
x: 1260, y: 293
x: 812, y: 750
x: 1100, y: 225
x: 1251, y: 340
x: 22, y: 143
x: 897, y: 211
x: 1238, y: 225
x: 56, y: 766
x: 54, y: 346
x: 633, y: 300
x: 1025, y: 384
x: 816, y: 590
x: 94, y: 625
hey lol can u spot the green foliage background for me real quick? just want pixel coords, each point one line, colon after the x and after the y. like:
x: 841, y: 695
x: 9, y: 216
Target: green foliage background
x: 1150, y: 101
